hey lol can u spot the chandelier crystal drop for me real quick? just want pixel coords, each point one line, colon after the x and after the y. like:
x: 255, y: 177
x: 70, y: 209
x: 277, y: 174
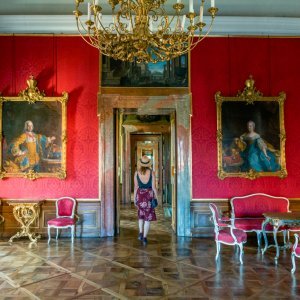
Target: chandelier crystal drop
x: 142, y: 30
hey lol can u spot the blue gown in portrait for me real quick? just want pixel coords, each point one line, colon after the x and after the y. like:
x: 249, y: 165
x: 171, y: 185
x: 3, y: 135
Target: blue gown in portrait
x: 254, y: 157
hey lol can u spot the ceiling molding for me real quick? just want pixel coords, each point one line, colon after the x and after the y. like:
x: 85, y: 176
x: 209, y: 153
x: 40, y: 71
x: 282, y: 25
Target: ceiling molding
x: 264, y: 26
x: 224, y: 25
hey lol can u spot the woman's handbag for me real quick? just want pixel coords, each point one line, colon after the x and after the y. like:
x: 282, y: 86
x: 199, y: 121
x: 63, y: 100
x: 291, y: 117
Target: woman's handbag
x: 154, y: 203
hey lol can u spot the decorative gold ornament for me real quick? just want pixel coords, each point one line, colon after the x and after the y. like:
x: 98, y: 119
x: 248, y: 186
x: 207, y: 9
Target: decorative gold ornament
x: 1, y: 217
x: 62, y: 174
x: 142, y: 30
x: 25, y: 213
x: 2, y: 174
x: 250, y: 93
x: 64, y: 98
x: 32, y: 93
x: 32, y: 175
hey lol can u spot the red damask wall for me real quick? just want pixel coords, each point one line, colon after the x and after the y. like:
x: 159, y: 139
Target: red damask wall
x: 218, y: 64
x: 223, y: 64
x: 59, y: 64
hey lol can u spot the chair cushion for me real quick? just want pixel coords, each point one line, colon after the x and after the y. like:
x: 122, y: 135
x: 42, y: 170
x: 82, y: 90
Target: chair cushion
x: 60, y: 222
x: 297, y: 251
x: 225, y: 236
x: 253, y: 224
x: 249, y: 224
x: 294, y: 228
x: 65, y: 207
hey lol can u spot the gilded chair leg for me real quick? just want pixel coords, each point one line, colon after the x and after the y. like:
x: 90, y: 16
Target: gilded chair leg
x: 241, y: 253
x: 56, y: 233
x: 293, y: 263
x: 49, y: 234
x: 218, y: 249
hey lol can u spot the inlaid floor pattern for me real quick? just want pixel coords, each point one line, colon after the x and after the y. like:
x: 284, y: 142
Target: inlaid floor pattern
x: 169, y: 267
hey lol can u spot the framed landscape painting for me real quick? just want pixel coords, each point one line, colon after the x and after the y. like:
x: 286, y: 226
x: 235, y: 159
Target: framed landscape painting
x: 33, y: 127
x: 172, y: 73
x: 251, y: 134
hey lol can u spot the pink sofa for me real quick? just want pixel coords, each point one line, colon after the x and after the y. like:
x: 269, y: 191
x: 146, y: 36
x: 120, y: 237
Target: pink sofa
x: 247, y: 212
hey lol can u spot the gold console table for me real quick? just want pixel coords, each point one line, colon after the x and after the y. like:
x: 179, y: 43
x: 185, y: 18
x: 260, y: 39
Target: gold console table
x: 1, y: 217
x: 26, y: 212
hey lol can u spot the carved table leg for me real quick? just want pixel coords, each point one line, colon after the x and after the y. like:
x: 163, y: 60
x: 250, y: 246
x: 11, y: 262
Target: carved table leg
x: 264, y: 224
x: 276, y: 225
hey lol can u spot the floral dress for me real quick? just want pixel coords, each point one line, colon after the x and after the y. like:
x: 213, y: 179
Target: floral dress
x: 144, y: 196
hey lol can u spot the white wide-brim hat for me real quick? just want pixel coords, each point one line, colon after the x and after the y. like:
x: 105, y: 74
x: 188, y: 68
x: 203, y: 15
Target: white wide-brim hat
x: 145, y: 162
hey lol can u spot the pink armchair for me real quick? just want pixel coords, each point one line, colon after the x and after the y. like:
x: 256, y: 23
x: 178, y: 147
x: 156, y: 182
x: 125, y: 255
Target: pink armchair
x: 225, y: 233
x: 65, y: 211
x: 295, y: 252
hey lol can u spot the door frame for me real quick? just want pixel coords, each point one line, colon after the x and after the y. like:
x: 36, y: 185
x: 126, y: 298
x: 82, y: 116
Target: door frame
x: 151, y: 105
x: 129, y: 169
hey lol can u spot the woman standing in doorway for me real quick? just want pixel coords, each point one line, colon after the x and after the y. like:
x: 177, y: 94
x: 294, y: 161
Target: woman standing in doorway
x: 144, y: 192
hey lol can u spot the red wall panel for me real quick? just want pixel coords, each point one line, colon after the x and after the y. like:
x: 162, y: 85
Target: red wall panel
x: 59, y: 64
x: 7, y: 82
x: 285, y: 77
x: 218, y: 64
x: 34, y: 56
x: 223, y: 64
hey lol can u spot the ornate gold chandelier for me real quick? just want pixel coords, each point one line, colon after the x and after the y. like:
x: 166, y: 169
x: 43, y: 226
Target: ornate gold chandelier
x: 142, y: 30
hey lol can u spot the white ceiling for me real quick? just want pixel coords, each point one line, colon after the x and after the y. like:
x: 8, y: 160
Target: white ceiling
x: 235, y: 17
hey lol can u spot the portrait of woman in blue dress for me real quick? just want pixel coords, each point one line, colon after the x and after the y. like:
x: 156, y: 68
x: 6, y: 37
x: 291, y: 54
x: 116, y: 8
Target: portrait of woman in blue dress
x: 256, y: 153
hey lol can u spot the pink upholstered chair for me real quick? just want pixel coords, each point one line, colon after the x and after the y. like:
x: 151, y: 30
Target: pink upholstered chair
x: 225, y: 233
x: 295, y: 252
x: 65, y: 210
x: 292, y: 229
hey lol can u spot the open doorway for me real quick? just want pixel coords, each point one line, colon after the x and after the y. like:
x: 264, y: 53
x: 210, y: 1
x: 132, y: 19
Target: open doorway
x: 110, y: 106
x: 149, y: 135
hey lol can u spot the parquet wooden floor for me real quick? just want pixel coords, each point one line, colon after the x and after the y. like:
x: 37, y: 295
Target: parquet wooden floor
x: 169, y: 267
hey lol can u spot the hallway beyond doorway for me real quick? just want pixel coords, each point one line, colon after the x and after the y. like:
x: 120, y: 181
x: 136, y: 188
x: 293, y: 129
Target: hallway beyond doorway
x: 129, y: 219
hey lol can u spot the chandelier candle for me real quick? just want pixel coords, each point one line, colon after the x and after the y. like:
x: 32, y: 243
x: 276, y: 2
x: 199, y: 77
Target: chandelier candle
x: 89, y: 11
x: 201, y: 13
x: 183, y: 22
x: 191, y: 6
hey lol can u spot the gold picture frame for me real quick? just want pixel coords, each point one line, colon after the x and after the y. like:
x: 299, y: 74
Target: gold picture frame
x: 34, y: 134
x: 250, y: 134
